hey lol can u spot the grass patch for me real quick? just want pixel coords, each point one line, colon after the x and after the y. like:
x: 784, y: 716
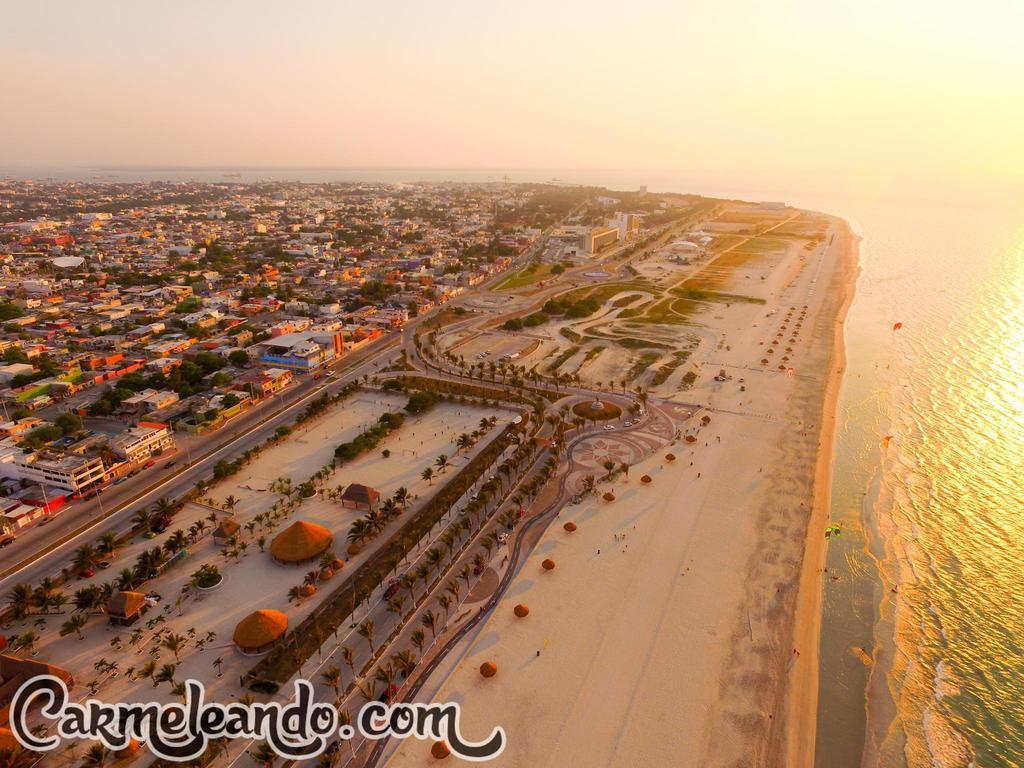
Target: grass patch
x: 662, y: 374
x: 701, y: 294
x: 642, y: 363
x: 564, y: 355
x: 528, y: 275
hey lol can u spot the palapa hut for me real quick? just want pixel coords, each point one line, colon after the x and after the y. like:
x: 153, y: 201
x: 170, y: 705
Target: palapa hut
x: 522, y: 610
x: 358, y: 496
x: 570, y: 527
x: 14, y: 672
x: 301, y: 542
x: 440, y: 750
x: 691, y: 438
x: 228, y: 527
x: 670, y: 457
x: 258, y: 631
x: 609, y: 497
x: 548, y: 564
x: 646, y: 479
x: 488, y: 669
x: 125, y: 608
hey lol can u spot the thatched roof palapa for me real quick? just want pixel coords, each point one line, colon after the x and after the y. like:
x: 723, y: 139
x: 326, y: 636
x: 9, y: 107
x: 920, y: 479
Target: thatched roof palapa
x: 260, y: 630
x: 300, y: 542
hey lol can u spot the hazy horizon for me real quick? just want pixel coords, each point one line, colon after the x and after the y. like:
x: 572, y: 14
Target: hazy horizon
x: 874, y: 88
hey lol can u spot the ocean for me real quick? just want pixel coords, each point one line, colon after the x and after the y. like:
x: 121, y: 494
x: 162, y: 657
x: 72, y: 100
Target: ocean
x: 922, y: 652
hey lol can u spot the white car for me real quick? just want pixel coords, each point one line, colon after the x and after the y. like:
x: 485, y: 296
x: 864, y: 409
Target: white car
x: 627, y: 424
x: 609, y: 427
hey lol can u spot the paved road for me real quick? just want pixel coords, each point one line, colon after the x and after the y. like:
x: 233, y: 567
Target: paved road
x: 28, y: 560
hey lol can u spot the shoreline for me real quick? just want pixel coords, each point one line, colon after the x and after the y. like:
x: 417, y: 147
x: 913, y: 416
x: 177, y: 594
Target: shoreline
x: 800, y: 706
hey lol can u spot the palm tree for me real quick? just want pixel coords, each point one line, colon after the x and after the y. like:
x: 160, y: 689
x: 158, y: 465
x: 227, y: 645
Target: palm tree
x: 85, y: 557
x: 402, y: 496
x: 107, y: 543
x: 86, y: 599
x: 350, y: 659
x: 73, y: 624
x: 230, y: 503
x: 26, y: 641
x: 163, y: 507
x: 142, y: 519
x: 263, y: 755
x: 386, y: 674
x: 217, y: 664
x: 427, y: 474
x: 441, y: 462
x: 174, y: 643
x: 418, y: 638
x: 126, y: 580
x: 404, y: 661
x: 147, y: 670
x: 464, y: 441
x: 445, y: 601
x: 165, y: 675
x: 454, y: 589
x: 429, y: 620
x: 95, y: 756
x: 434, y: 557
x: 395, y: 605
x: 332, y: 678
x: 175, y: 542
x: 365, y: 631
x: 21, y: 599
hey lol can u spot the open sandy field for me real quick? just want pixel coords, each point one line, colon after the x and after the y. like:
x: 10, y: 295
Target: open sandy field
x: 253, y: 580
x: 678, y: 626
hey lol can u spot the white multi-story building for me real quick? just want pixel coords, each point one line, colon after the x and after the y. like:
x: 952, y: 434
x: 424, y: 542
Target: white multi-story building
x: 139, y: 443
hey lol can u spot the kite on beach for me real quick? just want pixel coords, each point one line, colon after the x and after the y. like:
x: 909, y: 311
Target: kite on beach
x: 886, y: 440
x: 897, y: 326
x: 833, y: 530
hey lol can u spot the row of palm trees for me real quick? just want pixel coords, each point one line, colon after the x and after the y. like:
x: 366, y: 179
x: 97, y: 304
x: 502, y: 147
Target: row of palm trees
x: 376, y: 520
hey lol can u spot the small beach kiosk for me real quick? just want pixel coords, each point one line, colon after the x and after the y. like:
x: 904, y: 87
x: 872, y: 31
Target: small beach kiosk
x: 125, y: 608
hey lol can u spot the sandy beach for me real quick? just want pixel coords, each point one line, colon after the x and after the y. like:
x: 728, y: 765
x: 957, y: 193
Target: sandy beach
x: 680, y: 624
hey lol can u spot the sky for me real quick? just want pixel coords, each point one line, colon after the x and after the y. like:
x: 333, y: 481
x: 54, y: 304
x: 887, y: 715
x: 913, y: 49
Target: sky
x: 790, y: 85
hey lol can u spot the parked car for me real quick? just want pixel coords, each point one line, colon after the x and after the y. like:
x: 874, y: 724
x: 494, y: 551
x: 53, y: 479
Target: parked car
x: 104, y: 564
x: 86, y: 573
x: 392, y: 590
x: 120, y: 480
x: 46, y: 520
x: 149, y: 464
x: 6, y: 541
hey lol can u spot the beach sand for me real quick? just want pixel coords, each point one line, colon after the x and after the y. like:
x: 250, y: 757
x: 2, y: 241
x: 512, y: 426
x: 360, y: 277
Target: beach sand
x: 679, y: 627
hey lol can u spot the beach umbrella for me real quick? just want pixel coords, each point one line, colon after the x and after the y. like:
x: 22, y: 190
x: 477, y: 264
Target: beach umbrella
x: 548, y: 564
x: 570, y: 526
x: 886, y: 440
x: 488, y: 669
x: 646, y: 479
x: 609, y: 496
x: 440, y: 750
x: 337, y: 564
x: 326, y: 574
x: 308, y: 590
x: 764, y: 361
x: 897, y: 326
x: 670, y: 457
x: 522, y: 611
x: 691, y: 438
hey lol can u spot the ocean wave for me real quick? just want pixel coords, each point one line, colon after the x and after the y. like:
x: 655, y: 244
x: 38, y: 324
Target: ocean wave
x: 946, y: 747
